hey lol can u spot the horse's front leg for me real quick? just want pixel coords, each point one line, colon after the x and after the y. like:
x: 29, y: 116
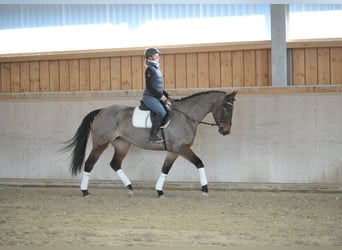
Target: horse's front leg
x: 188, y: 154
x: 170, y: 159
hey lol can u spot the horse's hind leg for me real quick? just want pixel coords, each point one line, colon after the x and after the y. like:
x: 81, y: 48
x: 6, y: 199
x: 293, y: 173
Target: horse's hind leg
x: 89, y: 165
x: 170, y: 159
x: 121, y: 149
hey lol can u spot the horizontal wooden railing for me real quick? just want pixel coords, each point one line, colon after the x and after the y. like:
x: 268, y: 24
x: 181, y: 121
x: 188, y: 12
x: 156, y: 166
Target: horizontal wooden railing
x: 224, y: 65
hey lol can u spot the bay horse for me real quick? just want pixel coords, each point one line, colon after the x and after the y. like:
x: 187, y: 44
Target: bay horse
x: 113, y: 125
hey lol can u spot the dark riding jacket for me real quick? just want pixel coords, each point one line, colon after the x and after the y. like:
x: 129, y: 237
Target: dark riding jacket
x: 154, y: 81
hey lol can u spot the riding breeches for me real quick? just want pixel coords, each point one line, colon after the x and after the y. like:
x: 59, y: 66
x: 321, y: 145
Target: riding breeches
x: 154, y: 104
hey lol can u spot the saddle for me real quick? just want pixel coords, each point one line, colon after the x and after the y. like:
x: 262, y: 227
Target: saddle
x: 142, y: 117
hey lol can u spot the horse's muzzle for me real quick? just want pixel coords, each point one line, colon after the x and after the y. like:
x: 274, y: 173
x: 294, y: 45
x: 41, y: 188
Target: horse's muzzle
x: 224, y: 130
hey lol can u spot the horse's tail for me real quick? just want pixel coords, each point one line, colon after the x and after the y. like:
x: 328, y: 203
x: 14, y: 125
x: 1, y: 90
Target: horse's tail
x: 79, y: 142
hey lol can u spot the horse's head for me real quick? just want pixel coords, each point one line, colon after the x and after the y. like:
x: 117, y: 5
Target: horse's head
x: 223, y: 113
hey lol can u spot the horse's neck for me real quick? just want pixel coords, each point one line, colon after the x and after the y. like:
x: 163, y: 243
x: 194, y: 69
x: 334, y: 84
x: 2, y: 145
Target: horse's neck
x: 198, y: 107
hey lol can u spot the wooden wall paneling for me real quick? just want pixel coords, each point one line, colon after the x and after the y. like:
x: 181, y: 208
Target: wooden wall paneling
x: 311, y: 66
x: 15, y: 78
x: 181, y: 70
x: 214, y: 70
x: 34, y: 77
x: 115, y: 73
x: 94, y: 74
x: 143, y: 66
x: 191, y: 70
x: 74, y: 75
x: 25, y: 77
x: 226, y: 69
x: 269, y: 54
x: 64, y: 75
x: 169, y: 72
x: 44, y: 76
x: 336, y: 65
x: 249, y: 66
x: 6, y: 77
x: 298, y: 67
x: 54, y: 76
x: 105, y: 73
x: 323, y: 66
x: 262, y: 68
x: 137, y: 69
x: 238, y: 74
x: 203, y: 70
x: 84, y: 75
x: 215, y: 66
x: 126, y: 72
x: 162, y: 63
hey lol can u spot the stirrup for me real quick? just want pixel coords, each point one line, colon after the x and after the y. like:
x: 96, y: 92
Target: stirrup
x: 156, y: 139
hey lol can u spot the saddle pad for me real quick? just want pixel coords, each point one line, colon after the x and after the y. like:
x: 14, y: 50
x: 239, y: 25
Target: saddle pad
x: 141, y: 118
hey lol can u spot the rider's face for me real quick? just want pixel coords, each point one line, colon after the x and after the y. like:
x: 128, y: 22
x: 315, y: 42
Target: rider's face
x: 155, y: 57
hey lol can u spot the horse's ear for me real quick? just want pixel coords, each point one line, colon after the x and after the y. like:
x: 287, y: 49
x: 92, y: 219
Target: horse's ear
x: 232, y: 95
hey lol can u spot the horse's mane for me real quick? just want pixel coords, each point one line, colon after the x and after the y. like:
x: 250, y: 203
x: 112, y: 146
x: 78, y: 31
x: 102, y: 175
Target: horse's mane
x: 199, y: 94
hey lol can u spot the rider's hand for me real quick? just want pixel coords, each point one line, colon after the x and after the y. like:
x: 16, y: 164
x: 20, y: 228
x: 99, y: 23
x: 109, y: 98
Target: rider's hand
x: 163, y: 98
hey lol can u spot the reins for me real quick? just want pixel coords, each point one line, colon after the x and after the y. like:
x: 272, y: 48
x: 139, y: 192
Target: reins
x: 201, y: 122
x: 206, y: 123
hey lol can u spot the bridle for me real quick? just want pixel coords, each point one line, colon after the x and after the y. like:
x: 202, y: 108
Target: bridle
x: 217, y: 124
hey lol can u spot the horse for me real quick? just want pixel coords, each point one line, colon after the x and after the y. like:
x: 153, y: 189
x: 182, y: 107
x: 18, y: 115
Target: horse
x: 113, y: 125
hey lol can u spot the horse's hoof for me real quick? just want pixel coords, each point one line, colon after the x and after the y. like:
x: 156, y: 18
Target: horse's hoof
x: 85, y: 193
x: 130, y: 190
x: 160, y: 194
x: 205, y: 191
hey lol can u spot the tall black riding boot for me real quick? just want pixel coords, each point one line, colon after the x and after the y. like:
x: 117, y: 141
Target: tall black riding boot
x: 155, y: 136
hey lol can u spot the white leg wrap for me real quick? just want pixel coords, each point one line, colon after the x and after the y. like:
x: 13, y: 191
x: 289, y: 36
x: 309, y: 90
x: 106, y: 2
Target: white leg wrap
x: 85, y: 180
x: 123, y: 177
x: 203, y: 178
x: 160, y: 182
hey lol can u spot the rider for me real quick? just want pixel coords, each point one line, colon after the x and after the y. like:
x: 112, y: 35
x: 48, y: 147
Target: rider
x: 154, y: 93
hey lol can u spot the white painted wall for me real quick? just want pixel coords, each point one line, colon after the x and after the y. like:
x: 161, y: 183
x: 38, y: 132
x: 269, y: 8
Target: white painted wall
x: 279, y: 138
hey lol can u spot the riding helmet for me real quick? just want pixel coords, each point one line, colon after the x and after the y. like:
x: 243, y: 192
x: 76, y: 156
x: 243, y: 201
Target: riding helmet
x: 151, y: 51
